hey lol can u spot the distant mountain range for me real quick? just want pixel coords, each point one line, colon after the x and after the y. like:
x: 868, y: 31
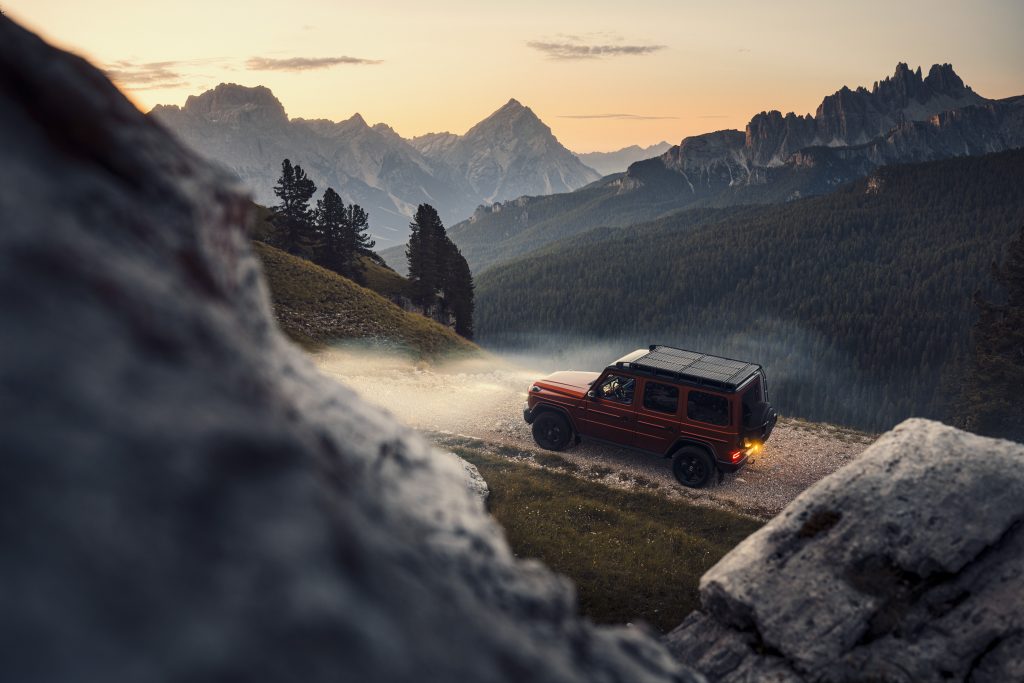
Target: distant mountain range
x: 607, y: 163
x: 904, y: 118
x: 509, y: 154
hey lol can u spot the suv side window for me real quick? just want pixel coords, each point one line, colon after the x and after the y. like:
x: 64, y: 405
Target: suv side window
x: 617, y: 388
x: 663, y: 398
x: 708, y: 408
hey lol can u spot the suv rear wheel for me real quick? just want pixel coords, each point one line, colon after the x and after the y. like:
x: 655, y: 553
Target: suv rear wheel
x: 551, y: 431
x: 693, y: 467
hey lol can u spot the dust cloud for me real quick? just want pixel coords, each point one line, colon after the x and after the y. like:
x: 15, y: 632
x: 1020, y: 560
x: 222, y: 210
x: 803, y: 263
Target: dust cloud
x: 481, y: 397
x: 478, y: 397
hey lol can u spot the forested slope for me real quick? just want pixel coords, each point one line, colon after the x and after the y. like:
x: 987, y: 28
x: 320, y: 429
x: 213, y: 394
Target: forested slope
x: 859, y: 303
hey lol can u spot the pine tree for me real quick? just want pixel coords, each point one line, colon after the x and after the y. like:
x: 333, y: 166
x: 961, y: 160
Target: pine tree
x: 992, y: 399
x: 422, y: 252
x: 459, y: 290
x: 438, y: 273
x: 292, y: 219
x: 334, y: 250
x: 359, y: 223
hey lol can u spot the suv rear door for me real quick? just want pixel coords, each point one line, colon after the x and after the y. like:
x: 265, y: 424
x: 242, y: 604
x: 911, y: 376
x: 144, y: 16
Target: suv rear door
x: 657, y: 416
x: 610, y: 413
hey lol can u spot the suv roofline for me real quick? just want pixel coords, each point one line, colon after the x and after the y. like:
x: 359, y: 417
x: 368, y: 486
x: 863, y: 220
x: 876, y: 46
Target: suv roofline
x: 745, y: 373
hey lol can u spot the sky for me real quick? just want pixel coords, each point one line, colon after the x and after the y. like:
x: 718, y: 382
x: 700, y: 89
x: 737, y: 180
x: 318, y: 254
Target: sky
x: 602, y: 74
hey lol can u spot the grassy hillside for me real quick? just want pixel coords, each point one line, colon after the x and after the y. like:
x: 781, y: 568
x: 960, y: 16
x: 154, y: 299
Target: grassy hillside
x: 858, y: 303
x: 633, y: 555
x: 315, y: 306
x: 383, y: 280
x: 379, y: 278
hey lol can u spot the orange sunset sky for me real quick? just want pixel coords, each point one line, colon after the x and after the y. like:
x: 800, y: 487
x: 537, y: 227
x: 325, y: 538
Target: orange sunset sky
x: 602, y: 74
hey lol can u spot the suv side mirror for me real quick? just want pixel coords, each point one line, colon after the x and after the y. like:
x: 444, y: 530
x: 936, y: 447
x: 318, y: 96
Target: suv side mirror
x: 591, y: 394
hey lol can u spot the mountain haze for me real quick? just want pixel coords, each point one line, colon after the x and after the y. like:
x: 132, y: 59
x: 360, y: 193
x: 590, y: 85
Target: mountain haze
x: 618, y: 161
x: 508, y: 154
x: 904, y: 118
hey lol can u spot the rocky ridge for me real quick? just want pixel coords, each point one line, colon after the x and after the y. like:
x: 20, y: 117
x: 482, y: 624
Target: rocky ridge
x: 508, y: 154
x: 904, y: 118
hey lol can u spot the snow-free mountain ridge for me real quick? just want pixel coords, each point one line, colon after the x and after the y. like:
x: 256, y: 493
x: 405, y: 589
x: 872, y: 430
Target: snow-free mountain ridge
x: 508, y: 154
x: 905, y: 118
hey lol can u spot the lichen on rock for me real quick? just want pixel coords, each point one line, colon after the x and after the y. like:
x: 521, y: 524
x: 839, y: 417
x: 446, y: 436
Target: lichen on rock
x: 905, y: 565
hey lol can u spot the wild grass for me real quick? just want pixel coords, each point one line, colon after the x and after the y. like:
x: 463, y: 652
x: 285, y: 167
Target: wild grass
x: 315, y: 306
x: 635, y: 556
x: 384, y: 281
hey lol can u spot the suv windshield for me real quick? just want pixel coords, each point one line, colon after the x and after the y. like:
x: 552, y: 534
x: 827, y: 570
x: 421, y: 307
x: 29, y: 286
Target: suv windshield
x: 617, y: 388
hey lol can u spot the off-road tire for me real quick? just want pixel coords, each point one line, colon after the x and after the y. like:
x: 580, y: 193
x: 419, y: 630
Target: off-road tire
x: 693, y: 467
x: 551, y: 431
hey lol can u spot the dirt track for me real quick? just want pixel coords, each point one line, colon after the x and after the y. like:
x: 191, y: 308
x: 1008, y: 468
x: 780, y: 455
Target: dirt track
x: 483, y: 399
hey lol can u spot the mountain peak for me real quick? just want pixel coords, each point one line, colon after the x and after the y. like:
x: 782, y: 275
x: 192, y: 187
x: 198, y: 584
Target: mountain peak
x: 510, y: 109
x: 385, y: 129
x: 942, y: 78
x: 230, y: 102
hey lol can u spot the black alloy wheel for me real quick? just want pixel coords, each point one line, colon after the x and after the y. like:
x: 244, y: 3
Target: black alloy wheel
x: 693, y: 467
x: 551, y: 431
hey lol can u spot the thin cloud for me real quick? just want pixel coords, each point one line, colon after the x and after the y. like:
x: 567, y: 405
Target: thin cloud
x: 624, y: 117
x: 180, y: 73
x: 575, y: 50
x: 303, y: 63
x: 146, y: 75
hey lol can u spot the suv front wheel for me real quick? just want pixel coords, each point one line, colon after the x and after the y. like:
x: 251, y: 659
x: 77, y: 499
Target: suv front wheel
x: 551, y: 431
x: 693, y: 467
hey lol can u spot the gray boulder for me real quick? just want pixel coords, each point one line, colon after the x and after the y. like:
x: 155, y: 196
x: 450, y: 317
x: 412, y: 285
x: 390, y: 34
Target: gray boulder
x: 183, y: 497
x: 905, y: 565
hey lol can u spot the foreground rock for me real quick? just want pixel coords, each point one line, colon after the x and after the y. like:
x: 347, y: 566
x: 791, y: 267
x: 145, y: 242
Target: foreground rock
x: 183, y: 497
x: 906, y: 565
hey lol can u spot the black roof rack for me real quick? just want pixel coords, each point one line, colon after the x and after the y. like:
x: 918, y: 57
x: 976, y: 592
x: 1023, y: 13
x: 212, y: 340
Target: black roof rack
x: 691, y: 367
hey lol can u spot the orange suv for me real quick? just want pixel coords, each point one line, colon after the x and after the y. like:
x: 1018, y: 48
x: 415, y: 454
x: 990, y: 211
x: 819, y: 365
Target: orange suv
x: 708, y: 414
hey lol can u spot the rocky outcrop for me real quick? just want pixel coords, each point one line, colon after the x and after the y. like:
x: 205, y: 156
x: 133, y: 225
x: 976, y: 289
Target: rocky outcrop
x: 183, y: 497
x: 905, y: 118
x: 509, y: 154
x: 711, y: 160
x: 906, y: 565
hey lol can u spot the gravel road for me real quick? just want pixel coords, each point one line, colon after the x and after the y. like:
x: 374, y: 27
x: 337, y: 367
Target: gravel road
x: 483, y: 399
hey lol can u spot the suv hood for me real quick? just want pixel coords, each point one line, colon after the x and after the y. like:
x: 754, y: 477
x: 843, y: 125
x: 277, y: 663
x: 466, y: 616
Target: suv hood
x: 568, y: 382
